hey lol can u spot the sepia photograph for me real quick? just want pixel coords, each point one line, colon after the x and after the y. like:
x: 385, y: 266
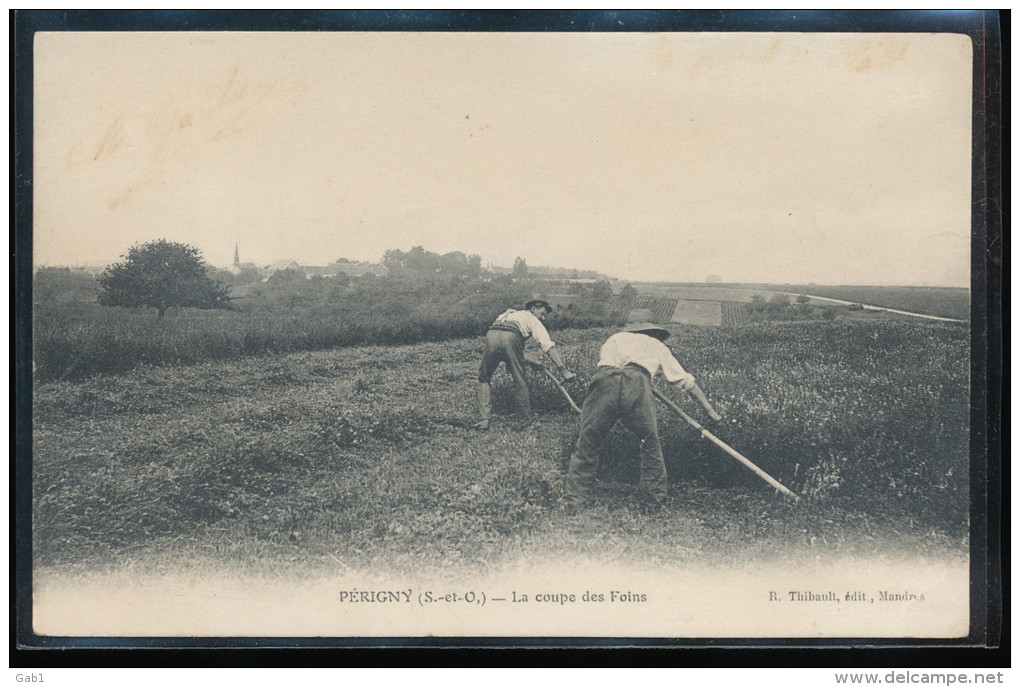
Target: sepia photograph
x: 403, y: 333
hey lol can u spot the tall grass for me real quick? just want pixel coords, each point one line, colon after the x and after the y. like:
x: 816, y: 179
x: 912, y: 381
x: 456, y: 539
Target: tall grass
x: 75, y: 338
x: 850, y: 412
x: 365, y: 454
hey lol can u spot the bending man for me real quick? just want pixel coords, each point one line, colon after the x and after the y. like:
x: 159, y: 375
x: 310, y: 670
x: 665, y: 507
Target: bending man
x: 621, y: 389
x: 504, y: 343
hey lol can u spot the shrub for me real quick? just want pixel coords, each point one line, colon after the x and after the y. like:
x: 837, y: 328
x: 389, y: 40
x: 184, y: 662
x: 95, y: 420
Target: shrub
x: 57, y: 285
x: 778, y: 303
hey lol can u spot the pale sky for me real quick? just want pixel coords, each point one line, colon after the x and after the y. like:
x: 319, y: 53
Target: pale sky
x: 757, y: 157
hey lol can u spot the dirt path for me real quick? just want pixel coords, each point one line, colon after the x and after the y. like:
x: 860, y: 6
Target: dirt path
x: 878, y: 307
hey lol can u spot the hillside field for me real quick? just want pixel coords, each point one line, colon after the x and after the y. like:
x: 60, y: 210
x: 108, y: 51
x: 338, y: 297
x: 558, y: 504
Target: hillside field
x: 939, y: 301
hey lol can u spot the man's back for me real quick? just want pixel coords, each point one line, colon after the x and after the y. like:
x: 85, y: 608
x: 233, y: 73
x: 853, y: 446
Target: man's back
x: 626, y: 348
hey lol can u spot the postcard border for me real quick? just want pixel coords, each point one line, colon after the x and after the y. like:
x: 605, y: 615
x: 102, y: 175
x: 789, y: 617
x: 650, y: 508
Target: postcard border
x: 981, y: 648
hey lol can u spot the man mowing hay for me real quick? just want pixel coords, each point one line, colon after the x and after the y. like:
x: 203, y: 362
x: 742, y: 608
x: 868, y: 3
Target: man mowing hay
x: 504, y: 343
x: 621, y: 389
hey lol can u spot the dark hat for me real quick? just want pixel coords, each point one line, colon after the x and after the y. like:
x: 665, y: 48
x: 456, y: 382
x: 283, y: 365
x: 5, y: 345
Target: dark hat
x: 538, y: 301
x: 640, y: 321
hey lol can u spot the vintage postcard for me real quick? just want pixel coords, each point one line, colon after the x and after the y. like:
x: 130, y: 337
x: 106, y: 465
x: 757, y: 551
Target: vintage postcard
x: 621, y: 336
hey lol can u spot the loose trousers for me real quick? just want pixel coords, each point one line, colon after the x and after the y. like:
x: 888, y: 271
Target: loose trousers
x: 503, y: 346
x: 617, y: 394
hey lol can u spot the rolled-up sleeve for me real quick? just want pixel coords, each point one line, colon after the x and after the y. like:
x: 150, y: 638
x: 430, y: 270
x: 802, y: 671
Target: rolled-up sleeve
x: 532, y: 327
x: 674, y: 372
x: 542, y: 336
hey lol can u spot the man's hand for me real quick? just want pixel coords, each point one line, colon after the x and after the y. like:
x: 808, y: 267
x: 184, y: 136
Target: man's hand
x: 685, y: 384
x: 534, y: 364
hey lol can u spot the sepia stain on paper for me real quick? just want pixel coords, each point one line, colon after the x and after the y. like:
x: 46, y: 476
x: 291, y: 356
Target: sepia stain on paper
x: 181, y: 127
x: 881, y: 54
x: 943, y: 235
x: 663, y: 57
x: 772, y: 51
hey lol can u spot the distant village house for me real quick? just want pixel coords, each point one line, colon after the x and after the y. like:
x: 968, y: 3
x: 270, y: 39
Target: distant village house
x: 238, y: 267
x: 344, y: 266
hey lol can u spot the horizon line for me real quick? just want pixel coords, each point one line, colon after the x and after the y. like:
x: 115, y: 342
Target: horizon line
x: 617, y: 279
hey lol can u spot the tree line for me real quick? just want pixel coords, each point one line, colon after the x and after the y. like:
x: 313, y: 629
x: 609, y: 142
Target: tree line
x: 86, y: 325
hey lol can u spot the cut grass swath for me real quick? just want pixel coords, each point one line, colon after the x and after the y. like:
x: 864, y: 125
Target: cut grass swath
x: 561, y: 388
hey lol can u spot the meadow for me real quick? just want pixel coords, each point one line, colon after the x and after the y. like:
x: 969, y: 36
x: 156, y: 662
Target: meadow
x: 362, y: 458
x: 928, y: 300
x: 74, y: 337
x: 949, y: 302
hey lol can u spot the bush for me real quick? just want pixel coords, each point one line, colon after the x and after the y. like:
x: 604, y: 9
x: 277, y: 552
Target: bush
x: 57, y: 285
x: 778, y: 303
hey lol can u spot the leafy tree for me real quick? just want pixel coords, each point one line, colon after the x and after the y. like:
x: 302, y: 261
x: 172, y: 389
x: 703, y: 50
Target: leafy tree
x: 246, y: 276
x: 601, y: 291
x: 162, y: 275
x: 628, y: 294
x: 803, y: 299
x: 520, y: 270
x: 288, y: 275
x: 393, y: 259
x: 420, y: 260
x: 474, y: 265
x: 341, y: 280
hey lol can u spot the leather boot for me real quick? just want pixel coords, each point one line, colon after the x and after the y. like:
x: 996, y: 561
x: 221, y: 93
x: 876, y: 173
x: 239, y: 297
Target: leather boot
x: 484, y: 405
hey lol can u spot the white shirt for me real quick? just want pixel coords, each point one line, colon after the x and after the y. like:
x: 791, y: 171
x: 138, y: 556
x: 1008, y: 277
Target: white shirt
x: 646, y: 351
x: 529, y: 325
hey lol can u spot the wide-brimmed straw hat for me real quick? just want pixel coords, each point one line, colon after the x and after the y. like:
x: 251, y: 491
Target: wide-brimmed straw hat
x: 538, y: 301
x: 640, y: 321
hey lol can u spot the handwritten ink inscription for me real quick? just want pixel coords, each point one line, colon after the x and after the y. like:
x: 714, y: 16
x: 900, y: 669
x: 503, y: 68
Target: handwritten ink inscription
x: 215, y: 114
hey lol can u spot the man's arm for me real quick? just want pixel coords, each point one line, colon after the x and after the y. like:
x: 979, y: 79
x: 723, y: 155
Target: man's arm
x: 676, y: 375
x: 545, y: 342
x: 555, y: 356
x: 695, y: 391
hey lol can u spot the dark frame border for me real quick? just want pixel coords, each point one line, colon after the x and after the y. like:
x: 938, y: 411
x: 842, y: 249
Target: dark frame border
x: 989, y: 640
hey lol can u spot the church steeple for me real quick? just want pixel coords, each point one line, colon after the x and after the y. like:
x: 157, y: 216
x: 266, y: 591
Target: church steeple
x: 237, y: 258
